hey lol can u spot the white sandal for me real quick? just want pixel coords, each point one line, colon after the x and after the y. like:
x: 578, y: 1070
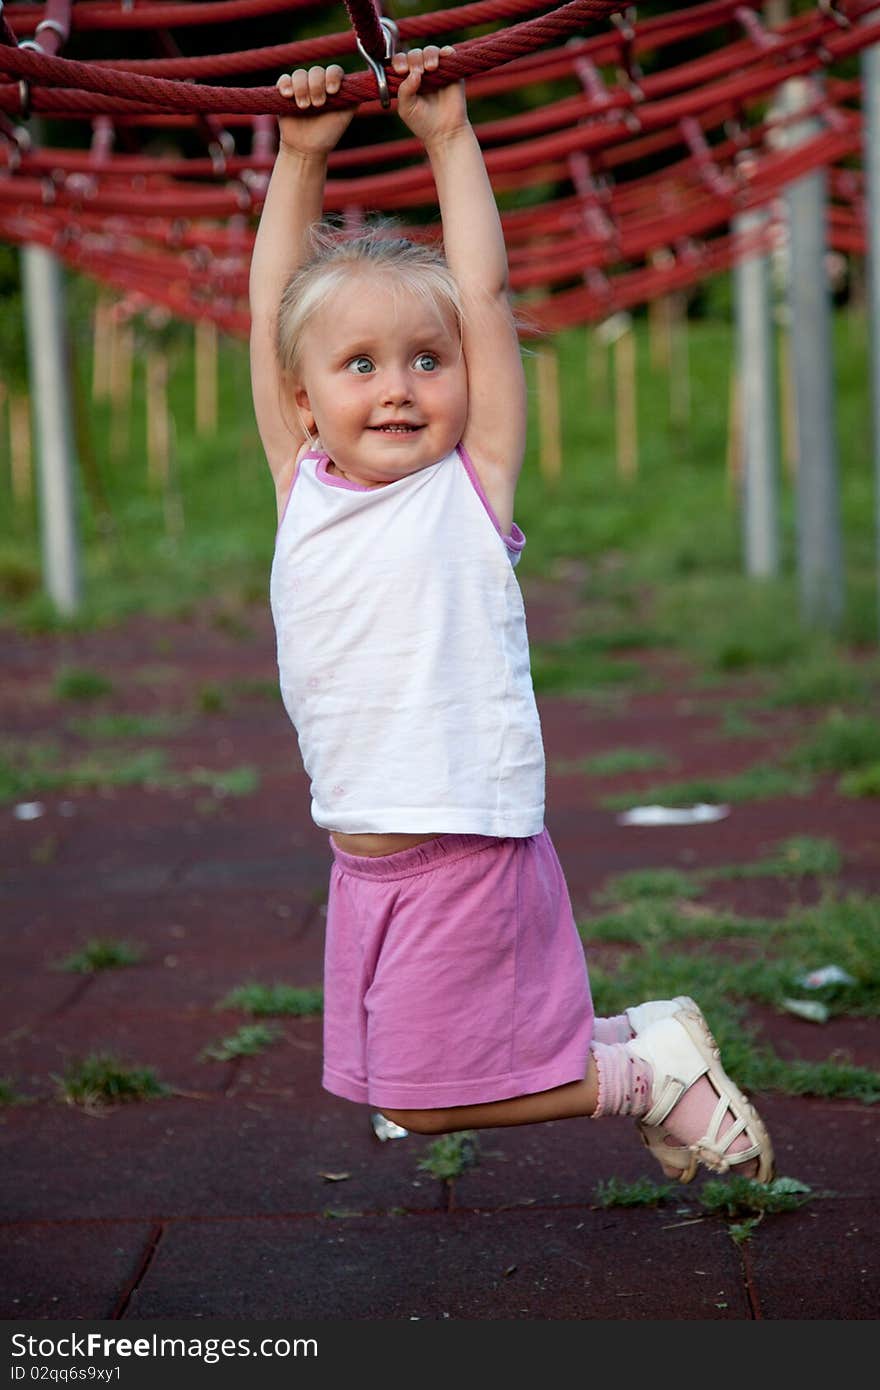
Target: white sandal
x: 680, y: 1050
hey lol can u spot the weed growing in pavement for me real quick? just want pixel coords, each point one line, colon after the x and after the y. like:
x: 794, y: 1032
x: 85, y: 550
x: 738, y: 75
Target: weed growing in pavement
x: 79, y: 683
x: 101, y: 727
x: 613, y: 763
x: 863, y: 781
x: 579, y: 665
x: 211, y: 699
x: 101, y: 1079
x: 101, y: 953
x: 638, y: 885
x: 735, y: 724
x: 265, y: 1000
x: 250, y: 1039
x: 795, y: 857
x: 758, y: 783
x: 834, y: 1079
x: 234, y: 781
x: 10, y: 1095
x: 738, y: 1196
x: 843, y: 743
x: 27, y: 767
x: 614, y: 1192
x: 734, y: 1197
x: 828, y: 678
x: 232, y: 624
x: 662, y: 920
x: 252, y: 687
x: 451, y: 1155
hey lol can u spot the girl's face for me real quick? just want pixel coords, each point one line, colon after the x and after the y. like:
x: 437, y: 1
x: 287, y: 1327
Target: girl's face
x: 377, y: 355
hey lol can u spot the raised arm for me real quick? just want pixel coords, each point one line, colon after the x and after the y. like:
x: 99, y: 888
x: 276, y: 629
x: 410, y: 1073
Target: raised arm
x: 495, y: 434
x: 294, y: 201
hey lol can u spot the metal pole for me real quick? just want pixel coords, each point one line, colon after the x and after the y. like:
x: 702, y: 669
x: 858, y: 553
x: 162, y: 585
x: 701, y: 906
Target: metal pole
x: 819, y: 545
x: 871, y: 162
x: 776, y: 12
x: 756, y: 375
x: 52, y: 415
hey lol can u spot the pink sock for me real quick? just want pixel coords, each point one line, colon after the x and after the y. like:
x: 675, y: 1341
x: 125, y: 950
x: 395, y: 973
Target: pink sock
x: 625, y: 1081
x: 612, y: 1030
x: 688, y: 1121
x: 625, y: 1085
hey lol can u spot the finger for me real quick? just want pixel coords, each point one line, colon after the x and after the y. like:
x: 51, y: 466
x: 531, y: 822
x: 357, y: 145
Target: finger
x: 317, y: 85
x: 432, y: 56
x: 416, y: 60
x: 285, y: 84
x: 399, y: 63
x: 335, y: 74
x: 300, y: 79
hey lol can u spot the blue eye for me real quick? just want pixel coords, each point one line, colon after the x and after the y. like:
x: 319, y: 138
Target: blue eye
x: 355, y: 366
x: 428, y: 357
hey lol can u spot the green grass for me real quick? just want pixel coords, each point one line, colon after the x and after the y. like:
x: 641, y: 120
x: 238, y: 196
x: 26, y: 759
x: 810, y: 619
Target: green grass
x: 614, y: 1192
x: 278, y: 998
x: 742, y: 1202
x: 828, y: 678
x: 248, y: 1040
x: 798, y: 856
x: 843, y: 743
x: 101, y: 954
x: 865, y: 781
x: 639, y: 884
x: 110, y: 727
x: 735, y: 724
x: 102, y: 1079
x: 762, y: 782
x: 451, y: 1155
x: 614, y: 762
x: 28, y: 767
x: 842, y: 930
x: 77, y: 683
x: 662, y: 554
x: 567, y: 668
x: 9, y: 1093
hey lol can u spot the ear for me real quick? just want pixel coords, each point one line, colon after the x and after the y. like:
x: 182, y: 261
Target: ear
x: 301, y: 401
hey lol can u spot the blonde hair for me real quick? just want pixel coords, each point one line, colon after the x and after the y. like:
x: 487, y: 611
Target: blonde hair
x: 335, y: 256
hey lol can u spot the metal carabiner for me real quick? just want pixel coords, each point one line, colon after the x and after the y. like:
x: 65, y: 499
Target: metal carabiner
x: 392, y: 34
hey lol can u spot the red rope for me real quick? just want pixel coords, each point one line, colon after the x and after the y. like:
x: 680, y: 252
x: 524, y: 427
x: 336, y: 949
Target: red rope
x: 162, y: 94
x: 364, y: 16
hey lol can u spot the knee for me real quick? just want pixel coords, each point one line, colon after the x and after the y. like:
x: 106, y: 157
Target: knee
x: 418, y: 1121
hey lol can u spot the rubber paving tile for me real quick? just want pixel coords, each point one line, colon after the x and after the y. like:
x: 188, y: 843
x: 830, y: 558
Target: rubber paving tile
x: 168, y: 1043
x: 788, y: 1262
x: 70, y: 1270
x: 536, y: 1265
x: 250, y: 1155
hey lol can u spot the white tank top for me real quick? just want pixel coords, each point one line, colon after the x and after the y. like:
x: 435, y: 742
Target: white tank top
x: 403, y: 655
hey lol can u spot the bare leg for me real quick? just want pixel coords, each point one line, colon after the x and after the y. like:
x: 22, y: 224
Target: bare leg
x: 561, y: 1103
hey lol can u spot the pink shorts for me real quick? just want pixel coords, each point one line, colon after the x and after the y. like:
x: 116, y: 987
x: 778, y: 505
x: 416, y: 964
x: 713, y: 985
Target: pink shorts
x: 454, y: 974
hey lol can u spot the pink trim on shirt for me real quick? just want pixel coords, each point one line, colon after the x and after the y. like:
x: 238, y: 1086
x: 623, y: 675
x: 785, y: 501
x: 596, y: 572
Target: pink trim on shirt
x: 516, y: 540
x: 325, y: 477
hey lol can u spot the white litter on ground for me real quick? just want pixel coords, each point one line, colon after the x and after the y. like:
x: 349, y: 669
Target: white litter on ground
x: 28, y: 810
x: 673, y: 815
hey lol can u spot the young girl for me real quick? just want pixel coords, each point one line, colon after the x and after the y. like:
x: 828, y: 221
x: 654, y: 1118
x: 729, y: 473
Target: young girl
x: 390, y: 398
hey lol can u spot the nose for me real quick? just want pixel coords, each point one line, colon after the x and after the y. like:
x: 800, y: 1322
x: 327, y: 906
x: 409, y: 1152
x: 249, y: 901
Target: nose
x: 395, y: 386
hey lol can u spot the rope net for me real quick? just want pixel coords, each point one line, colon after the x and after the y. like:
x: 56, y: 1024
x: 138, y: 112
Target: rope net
x: 637, y: 143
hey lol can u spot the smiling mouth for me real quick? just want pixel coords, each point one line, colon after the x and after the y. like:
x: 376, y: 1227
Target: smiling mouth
x: 396, y: 429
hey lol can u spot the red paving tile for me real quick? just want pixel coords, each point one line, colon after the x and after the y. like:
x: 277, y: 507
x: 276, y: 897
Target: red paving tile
x: 519, y: 1265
